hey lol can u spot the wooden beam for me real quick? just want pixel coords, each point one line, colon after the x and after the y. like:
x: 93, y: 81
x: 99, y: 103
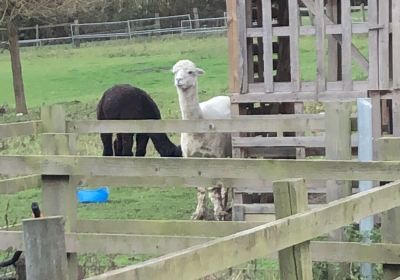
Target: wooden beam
x: 247, y: 245
x: 262, y: 123
x: 320, y: 250
x: 290, y: 197
x: 201, y: 168
x: 15, y: 185
x: 20, y: 129
x: 233, y: 38
x: 301, y: 141
x: 267, y: 45
x: 163, y: 227
x: 346, y: 45
x: 320, y: 47
x: 297, y: 96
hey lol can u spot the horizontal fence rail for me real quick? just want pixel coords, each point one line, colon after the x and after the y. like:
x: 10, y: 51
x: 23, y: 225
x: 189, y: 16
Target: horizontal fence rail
x: 103, y: 243
x: 200, y: 168
x: 257, y: 123
x: 20, y: 129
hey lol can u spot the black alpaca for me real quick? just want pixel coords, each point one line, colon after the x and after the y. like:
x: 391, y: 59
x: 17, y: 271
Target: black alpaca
x: 124, y: 102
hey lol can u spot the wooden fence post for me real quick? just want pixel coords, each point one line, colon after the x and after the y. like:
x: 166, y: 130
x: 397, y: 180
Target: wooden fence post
x: 389, y: 149
x: 338, y: 147
x: 290, y: 198
x: 37, y: 35
x: 58, y: 192
x: 45, y: 250
x: 196, y: 18
x: 157, y: 20
x: 77, y: 42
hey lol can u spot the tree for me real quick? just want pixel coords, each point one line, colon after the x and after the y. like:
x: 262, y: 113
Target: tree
x: 13, y: 12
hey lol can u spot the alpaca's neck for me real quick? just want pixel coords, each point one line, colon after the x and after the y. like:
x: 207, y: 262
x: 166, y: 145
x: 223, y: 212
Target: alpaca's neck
x: 189, y: 103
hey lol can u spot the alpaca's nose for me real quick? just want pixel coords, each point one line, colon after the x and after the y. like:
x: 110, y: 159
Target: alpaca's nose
x: 179, y: 82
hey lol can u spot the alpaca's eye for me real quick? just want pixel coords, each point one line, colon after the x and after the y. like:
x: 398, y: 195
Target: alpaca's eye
x: 190, y: 72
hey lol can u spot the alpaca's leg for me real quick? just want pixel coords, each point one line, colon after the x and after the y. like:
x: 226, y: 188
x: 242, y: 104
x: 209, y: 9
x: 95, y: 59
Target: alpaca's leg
x: 200, y: 212
x: 141, y: 144
x: 216, y: 199
x: 127, y: 143
x: 118, y: 145
x: 224, y: 197
x: 106, y: 138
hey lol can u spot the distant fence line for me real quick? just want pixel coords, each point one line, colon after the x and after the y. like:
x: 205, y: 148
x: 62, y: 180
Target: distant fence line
x: 76, y: 32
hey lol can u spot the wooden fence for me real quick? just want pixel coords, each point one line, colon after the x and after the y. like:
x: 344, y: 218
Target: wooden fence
x: 196, y: 249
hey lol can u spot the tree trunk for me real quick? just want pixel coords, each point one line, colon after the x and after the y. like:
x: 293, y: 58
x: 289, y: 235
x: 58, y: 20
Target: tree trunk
x: 20, y: 102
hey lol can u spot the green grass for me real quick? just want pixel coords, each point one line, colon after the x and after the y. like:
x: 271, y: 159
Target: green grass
x: 62, y: 73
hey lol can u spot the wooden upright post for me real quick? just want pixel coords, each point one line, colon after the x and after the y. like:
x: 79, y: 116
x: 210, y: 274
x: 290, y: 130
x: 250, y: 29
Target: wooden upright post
x: 338, y: 147
x: 77, y: 42
x: 157, y: 20
x: 45, y: 251
x: 196, y: 18
x: 290, y: 197
x: 58, y: 192
x: 37, y: 35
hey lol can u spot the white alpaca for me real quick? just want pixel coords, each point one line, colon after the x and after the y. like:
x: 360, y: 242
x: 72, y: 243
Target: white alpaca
x: 202, y: 144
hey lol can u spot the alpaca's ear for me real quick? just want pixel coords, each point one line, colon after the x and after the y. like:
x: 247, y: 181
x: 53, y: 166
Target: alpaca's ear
x: 199, y: 71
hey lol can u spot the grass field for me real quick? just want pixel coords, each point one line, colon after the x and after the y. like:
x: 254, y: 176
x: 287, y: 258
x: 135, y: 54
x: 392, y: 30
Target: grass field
x: 78, y: 77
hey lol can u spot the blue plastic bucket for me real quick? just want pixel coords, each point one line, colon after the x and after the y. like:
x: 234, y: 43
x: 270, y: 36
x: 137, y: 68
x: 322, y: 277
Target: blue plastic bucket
x: 98, y: 195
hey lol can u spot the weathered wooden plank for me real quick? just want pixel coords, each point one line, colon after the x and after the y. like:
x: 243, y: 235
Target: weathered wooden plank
x: 241, y: 20
x: 396, y: 44
x: 338, y: 147
x: 306, y: 87
x: 294, y: 24
x: 297, y: 96
x: 290, y: 197
x: 129, y: 243
x: 262, y: 208
x: 320, y: 46
x: 396, y: 67
x: 333, y: 46
x: 238, y: 248
x: 15, y: 185
x: 201, y: 168
x: 262, y: 123
x: 268, y: 50
x: 383, y: 43
x: 346, y: 45
x: 20, y: 129
x: 163, y: 227
x: 247, y: 185
x: 309, y: 30
x: 320, y: 250
x: 233, y: 47
x: 45, y: 253
x: 53, y: 118
x: 301, y: 141
x: 373, y: 75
